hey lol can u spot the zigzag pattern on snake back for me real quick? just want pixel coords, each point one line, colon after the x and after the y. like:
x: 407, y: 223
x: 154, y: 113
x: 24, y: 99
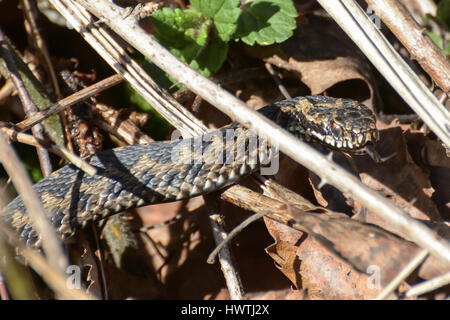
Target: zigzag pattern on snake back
x: 138, y: 175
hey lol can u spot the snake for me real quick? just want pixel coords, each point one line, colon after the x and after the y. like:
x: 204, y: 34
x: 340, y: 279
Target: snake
x: 163, y: 171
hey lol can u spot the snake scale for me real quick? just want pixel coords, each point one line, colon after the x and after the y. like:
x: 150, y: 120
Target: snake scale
x: 137, y: 175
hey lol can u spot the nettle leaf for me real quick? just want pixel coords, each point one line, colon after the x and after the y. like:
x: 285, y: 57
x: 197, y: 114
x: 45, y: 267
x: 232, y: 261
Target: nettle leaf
x: 266, y: 21
x: 212, y: 57
x: 179, y: 27
x: 225, y: 14
x: 190, y: 36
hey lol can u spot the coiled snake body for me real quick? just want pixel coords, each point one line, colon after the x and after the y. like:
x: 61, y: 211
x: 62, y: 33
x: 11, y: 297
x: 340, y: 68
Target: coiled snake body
x: 137, y: 175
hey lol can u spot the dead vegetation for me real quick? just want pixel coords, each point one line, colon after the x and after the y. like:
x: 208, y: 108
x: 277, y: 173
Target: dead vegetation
x: 371, y: 230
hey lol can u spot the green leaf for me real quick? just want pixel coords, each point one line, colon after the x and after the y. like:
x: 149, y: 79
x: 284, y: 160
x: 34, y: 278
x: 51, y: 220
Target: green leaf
x: 225, y: 14
x: 266, y: 21
x: 212, y: 57
x: 443, y: 13
x: 437, y: 39
x: 190, y: 36
x: 180, y: 27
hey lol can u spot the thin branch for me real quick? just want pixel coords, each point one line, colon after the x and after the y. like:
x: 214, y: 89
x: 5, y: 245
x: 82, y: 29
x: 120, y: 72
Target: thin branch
x: 428, y: 285
x: 60, y: 151
x: 28, y: 104
x: 56, y: 280
x: 50, y: 242
x: 29, y: 9
x: 227, y: 262
x: 69, y: 101
x: 301, y: 152
x: 122, y: 63
x: 412, y: 36
x: 101, y: 267
x: 125, y: 130
x: 37, y: 92
x: 354, y: 21
x: 234, y: 233
x: 406, y: 271
x: 275, y: 77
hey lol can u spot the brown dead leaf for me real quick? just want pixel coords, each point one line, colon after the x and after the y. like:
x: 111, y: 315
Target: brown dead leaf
x: 431, y: 156
x: 326, y: 277
x: 344, y: 251
x: 399, y: 179
x: 322, y: 56
x: 283, y: 251
x: 92, y: 277
x: 361, y: 244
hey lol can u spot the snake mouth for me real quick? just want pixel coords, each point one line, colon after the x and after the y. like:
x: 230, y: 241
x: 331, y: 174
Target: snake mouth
x: 352, y: 142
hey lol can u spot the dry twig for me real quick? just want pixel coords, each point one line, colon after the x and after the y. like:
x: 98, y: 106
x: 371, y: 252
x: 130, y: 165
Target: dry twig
x: 406, y: 271
x: 69, y: 101
x: 227, y: 263
x: 28, y: 104
x: 60, y: 151
x: 55, y: 279
x: 411, y: 35
x: 354, y: 21
x: 50, y: 242
x: 428, y: 285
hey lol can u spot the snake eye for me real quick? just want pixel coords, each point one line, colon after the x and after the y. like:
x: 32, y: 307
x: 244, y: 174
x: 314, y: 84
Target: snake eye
x: 336, y: 130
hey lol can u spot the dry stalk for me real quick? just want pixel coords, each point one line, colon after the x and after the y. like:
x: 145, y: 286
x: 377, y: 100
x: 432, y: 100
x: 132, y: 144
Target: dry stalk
x: 412, y: 36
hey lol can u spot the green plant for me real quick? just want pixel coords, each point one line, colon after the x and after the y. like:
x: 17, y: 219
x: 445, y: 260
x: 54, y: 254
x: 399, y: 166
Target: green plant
x: 200, y: 36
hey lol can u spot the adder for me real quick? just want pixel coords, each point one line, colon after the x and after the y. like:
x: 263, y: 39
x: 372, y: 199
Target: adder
x: 137, y: 175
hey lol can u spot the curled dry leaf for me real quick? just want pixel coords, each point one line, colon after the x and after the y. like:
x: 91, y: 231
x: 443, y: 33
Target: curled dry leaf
x: 400, y: 178
x: 284, y: 250
x: 342, y: 248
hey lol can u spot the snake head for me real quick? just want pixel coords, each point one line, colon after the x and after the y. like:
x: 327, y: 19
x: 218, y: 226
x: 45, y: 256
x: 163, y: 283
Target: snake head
x: 341, y: 124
